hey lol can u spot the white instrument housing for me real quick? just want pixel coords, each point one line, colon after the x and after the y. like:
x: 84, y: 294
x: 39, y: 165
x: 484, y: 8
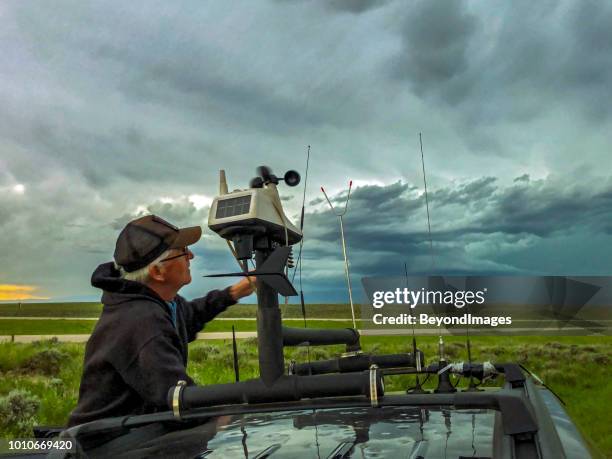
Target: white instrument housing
x: 254, y: 207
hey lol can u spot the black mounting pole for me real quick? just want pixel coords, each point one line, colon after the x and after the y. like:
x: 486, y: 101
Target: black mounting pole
x: 235, y: 352
x: 444, y: 383
x: 269, y: 326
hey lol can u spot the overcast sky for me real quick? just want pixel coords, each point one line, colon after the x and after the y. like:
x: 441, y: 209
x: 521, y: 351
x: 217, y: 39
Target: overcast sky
x: 109, y: 110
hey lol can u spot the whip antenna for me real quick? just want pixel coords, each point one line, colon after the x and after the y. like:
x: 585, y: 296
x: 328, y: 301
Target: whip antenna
x: 472, y: 387
x: 346, y: 263
x: 418, y: 389
x: 298, y: 265
x: 433, y: 263
x: 235, y: 355
x: 427, y: 203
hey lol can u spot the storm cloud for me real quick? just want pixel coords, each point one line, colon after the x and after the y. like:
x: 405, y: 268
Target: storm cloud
x: 476, y: 227
x: 109, y: 111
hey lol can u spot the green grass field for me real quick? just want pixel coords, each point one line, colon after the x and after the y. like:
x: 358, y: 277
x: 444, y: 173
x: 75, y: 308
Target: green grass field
x: 50, y: 309
x: 71, y: 312
x: 77, y: 327
x: 577, y: 368
x: 237, y: 310
x: 70, y: 326
x: 48, y: 373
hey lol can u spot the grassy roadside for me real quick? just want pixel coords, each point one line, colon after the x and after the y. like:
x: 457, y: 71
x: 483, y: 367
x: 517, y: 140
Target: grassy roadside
x: 238, y: 310
x: 69, y: 310
x: 67, y: 326
x: 575, y: 367
x: 77, y: 327
x: 50, y: 309
x: 46, y: 327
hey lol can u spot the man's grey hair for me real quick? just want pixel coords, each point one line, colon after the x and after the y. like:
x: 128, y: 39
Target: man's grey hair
x: 141, y: 275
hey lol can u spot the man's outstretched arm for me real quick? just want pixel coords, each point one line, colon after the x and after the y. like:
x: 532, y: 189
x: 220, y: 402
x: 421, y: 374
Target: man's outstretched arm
x: 202, y: 310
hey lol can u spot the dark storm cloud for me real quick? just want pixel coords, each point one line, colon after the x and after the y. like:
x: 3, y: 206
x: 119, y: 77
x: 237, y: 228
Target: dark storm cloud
x: 589, y: 66
x: 381, y: 233
x: 556, y: 48
x: 539, y: 208
x: 522, y: 178
x: 188, y: 73
x: 316, y: 201
x: 542, y: 208
x: 345, y: 6
x: 510, y: 64
x: 466, y: 193
x: 109, y: 111
x: 180, y: 212
x: 103, y: 156
x: 355, y: 6
x: 435, y: 40
x: 243, y: 102
x: 383, y: 216
x: 94, y: 251
x: 592, y: 28
x: 385, y: 196
x: 363, y: 197
x: 142, y: 97
x: 365, y: 203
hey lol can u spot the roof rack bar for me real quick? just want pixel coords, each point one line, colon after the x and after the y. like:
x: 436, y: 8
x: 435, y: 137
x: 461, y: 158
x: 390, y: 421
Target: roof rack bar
x: 354, y: 363
x: 285, y: 388
x: 320, y: 336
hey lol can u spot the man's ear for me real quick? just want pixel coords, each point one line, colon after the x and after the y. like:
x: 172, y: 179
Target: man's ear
x: 156, y: 273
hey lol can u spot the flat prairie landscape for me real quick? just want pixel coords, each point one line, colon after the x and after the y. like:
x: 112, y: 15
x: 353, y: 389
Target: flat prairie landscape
x: 42, y: 378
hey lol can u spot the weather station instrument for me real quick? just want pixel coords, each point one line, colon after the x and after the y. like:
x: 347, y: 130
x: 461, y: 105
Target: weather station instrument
x: 244, y: 216
x: 254, y: 221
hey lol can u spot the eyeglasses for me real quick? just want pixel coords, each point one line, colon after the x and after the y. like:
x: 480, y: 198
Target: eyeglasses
x: 184, y: 252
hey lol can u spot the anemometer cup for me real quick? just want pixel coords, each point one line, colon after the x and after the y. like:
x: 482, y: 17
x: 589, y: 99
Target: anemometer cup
x: 292, y: 178
x: 264, y: 172
x: 256, y: 182
x: 265, y: 176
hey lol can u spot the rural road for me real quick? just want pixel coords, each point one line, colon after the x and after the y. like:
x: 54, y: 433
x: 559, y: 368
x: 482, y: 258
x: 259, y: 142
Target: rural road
x: 253, y: 334
x: 326, y: 319
x: 217, y: 318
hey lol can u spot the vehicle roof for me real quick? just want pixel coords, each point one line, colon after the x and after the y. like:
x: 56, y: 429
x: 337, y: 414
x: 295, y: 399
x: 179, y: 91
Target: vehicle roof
x: 390, y: 431
x: 518, y: 420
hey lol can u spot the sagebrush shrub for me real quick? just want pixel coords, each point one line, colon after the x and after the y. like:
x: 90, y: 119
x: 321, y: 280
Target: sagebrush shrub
x: 48, y: 362
x: 18, y: 411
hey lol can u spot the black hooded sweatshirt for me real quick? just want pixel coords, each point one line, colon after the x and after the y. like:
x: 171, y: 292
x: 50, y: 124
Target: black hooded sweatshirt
x: 136, y: 353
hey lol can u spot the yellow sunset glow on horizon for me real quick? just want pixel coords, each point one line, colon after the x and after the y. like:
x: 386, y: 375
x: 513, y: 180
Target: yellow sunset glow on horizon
x: 16, y: 292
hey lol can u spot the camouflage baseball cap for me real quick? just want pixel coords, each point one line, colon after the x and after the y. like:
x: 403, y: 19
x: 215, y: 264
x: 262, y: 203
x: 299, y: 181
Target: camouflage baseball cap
x: 146, y: 238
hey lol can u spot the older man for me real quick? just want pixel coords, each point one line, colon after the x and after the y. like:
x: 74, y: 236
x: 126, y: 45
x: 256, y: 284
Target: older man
x: 138, y: 349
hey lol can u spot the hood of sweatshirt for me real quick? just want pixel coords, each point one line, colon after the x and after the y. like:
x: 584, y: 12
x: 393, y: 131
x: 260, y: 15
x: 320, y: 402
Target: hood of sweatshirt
x: 117, y: 290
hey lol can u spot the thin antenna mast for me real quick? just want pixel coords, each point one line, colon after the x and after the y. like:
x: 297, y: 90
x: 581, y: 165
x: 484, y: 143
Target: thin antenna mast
x: 298, y: 264
x: 441, y: 342
x: 427, y: 204
x: 235, y: 355
x: 418, y: 389
x: 346, y: 263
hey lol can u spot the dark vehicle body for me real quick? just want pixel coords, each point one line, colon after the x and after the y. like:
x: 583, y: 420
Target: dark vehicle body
x: 519, y: 420
x: 393, y: 430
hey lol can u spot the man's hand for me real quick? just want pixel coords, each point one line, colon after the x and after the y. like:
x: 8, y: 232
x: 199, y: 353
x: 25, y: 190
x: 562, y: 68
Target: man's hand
x: 243, y: 288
